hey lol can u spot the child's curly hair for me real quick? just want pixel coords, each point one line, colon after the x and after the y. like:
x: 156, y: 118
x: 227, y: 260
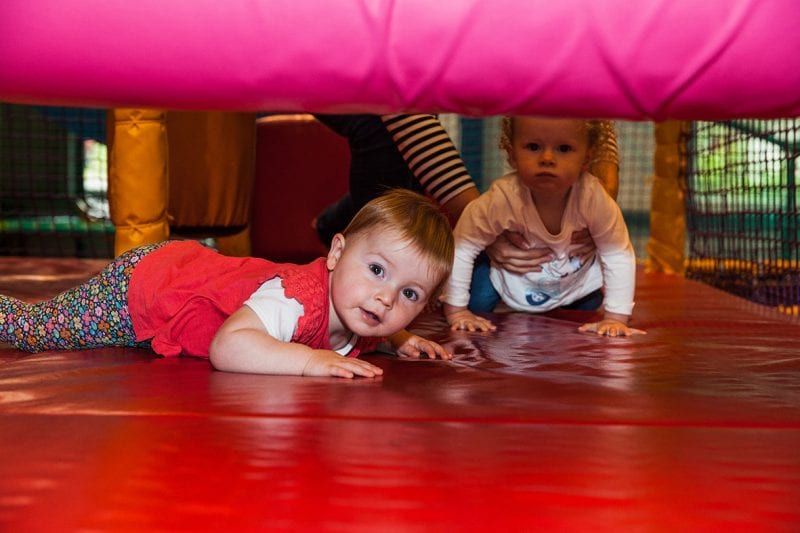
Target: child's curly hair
x: 599, y: 132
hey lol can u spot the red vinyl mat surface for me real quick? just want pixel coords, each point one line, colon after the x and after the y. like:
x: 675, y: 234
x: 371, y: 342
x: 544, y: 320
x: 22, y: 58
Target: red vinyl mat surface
x: 693, y: 427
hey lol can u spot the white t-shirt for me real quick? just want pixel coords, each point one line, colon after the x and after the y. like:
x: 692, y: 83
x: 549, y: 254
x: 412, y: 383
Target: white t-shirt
x: 508, y: 205
x: 280, y: 314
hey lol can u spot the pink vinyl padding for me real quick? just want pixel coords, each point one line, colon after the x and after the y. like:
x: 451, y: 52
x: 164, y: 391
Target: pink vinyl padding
x: 614, y: 58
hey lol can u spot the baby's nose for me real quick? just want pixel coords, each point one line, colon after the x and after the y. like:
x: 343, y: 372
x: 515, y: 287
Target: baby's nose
x: 386, y: 297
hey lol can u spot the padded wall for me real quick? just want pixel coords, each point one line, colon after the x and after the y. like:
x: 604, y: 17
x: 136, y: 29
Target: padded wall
x: 301, y: 167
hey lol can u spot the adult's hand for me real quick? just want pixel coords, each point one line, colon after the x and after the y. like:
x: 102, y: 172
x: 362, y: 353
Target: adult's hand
x: 513, y: 253
x: 586, y: 247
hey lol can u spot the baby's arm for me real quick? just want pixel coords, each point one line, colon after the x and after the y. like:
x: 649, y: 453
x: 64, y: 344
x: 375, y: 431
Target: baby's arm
x: 242, y: 344
x: 618, y: 263
x: 477, y: 228
x: 619, y: 273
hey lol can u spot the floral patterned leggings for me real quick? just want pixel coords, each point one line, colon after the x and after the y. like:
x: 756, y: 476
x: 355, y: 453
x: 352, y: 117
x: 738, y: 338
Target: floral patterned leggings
x: 92, y: 315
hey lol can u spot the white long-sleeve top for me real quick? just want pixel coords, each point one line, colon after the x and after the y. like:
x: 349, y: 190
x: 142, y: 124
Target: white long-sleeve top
x: 508, y: 205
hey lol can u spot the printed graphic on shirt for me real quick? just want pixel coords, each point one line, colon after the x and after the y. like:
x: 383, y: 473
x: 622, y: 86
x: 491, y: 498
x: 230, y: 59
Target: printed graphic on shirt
x: 561, y: 268
x: 556, y: 277
x: 536, y: 298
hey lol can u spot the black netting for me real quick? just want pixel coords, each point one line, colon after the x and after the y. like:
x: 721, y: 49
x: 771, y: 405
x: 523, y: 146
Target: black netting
x: 53, y: 182
x: 742, y: 218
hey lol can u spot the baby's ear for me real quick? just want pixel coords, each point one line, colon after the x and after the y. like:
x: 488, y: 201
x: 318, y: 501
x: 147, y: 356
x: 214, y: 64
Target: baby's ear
x: 335, y: 252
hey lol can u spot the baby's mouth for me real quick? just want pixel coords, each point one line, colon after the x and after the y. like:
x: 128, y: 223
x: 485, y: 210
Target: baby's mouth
x: 370, y: 316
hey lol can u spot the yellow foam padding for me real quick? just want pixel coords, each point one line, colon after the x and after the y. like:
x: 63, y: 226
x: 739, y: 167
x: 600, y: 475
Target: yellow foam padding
x: 190, y: 170
x: 753, y: 268
x: 211, y: 170
x: 138, y: 179
x: 665, y: 248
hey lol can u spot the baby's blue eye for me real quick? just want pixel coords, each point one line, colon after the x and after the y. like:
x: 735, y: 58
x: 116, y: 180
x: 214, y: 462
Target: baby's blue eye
x: 411, y: 294
x: 376, y: 269
x: 564, y: 148
x: 532, y: 146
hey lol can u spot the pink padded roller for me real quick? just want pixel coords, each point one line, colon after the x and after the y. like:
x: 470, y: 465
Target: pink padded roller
x: 648, y: 60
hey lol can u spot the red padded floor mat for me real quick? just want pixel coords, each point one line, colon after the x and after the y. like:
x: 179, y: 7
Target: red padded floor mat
x: 695, y: 426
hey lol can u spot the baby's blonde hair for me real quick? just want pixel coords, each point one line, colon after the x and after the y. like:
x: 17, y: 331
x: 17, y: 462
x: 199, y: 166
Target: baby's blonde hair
x: 598, y: 132
x: 417, y: 220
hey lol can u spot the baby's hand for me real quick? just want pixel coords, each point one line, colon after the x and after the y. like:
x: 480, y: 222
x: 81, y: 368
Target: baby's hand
x: 466, y: 320
x: 329, y: 363
x: 611, y: 328
x: 414, y: 346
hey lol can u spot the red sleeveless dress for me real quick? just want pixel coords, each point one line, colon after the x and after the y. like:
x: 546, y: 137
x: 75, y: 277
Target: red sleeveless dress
x: 180, y: 294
